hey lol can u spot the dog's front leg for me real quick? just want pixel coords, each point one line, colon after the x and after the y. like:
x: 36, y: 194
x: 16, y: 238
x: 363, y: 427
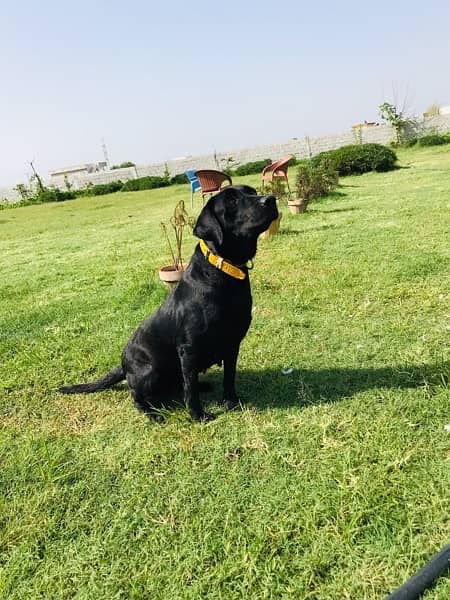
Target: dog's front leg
x: 189, y: 372
x: 230, y: 398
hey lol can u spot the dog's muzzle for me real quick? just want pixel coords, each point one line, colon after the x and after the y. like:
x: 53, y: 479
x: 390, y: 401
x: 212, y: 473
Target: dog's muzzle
x: 270, y: 203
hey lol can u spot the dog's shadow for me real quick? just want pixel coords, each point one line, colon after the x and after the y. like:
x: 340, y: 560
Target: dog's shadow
x: 270, y: 389
x: 280, y: 389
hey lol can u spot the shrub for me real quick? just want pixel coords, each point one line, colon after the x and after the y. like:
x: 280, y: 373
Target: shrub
x: 358, y: 158
x: 144, y: 183
x: 410, y: 143
x: 52, y: 194
x: 276, y: 187
x: 33, y: 194
x: 123, y: 165
x: 313, y: 181
x: 251, y: 168
x: 100, y: 189
x: 303, y: 161
x: 179, y: 179
x: 433, y: 139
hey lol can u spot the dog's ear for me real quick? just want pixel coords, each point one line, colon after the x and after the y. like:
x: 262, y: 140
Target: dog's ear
x: 208, y: 226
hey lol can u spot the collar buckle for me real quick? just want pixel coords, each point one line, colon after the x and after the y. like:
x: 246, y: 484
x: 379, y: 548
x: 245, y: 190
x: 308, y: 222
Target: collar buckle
x: 222, y: 264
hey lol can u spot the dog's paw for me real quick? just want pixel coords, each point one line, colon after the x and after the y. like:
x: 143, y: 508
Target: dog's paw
x: 207, y: 417
x: 155, y: 417
x: 231, y: 404
x: 203, y: 417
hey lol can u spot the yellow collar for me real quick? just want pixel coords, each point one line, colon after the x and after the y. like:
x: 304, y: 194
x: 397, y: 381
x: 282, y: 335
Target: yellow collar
x: 220, y: 263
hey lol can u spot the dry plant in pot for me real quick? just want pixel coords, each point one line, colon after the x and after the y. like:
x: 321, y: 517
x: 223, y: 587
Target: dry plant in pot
x: 171, y: 274
x: 274, y: 188
x: 312, y: 182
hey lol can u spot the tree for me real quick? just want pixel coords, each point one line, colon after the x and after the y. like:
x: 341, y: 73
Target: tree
x: 396, y: 118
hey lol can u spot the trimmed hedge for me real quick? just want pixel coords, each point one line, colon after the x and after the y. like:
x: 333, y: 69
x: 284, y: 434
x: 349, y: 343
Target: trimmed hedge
x: 123, y: 165
x: 179, y: 179
x: 433, y: 140
x: 100, y: 189
x: 251, y: 168
x: 53, y: 194
x: 358, y: 158
x: 411, y: 142
x: 145, y: 183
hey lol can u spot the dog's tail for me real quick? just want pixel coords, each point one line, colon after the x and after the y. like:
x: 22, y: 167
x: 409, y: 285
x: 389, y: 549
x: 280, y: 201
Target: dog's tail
x: 103, y: 383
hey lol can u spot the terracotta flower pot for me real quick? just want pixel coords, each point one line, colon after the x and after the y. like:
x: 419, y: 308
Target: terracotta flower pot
x: 170, y: 276
x: 298, y: 206
x: 274, y: 227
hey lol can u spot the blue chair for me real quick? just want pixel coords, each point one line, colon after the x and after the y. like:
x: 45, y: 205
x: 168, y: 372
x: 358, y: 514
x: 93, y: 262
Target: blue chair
x: 195, y: 184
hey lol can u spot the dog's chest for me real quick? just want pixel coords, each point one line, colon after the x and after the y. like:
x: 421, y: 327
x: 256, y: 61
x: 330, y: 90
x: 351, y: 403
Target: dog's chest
x: 227, y: 324
x: 232, y: 319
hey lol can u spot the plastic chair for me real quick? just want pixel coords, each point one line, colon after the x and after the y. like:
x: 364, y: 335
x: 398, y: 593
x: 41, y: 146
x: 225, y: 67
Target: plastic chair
x: 195, y: 184
x: 211, y: 181
x: 278, y: 168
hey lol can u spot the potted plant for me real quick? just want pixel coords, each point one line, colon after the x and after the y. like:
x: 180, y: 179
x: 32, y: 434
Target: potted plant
x: 171, y: 274
x: 311, y: 182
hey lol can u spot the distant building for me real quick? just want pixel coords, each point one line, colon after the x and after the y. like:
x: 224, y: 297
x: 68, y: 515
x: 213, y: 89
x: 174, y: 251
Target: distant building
x: 365, y: 125
x: 435, y: 110
x: 58, y: 175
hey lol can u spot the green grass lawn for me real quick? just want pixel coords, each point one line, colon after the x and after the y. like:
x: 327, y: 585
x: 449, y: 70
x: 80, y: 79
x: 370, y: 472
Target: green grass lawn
x: 332, y: 483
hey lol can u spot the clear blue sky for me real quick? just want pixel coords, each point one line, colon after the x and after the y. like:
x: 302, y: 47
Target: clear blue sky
x: 168, y: 79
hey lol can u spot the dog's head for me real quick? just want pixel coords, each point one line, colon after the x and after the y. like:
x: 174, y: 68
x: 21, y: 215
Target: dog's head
x: 232, y: 220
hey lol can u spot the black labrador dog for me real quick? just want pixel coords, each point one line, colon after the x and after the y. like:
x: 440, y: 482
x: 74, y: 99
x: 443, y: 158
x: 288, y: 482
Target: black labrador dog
x: 203, y: 321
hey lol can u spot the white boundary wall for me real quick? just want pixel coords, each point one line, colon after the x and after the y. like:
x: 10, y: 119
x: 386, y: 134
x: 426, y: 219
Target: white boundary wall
x: 301, y: 148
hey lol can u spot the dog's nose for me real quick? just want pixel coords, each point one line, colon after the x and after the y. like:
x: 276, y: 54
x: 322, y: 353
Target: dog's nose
x: 267, y: 200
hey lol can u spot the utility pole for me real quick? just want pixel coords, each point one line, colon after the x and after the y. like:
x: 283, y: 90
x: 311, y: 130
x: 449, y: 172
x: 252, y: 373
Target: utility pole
x: 105, y: 153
